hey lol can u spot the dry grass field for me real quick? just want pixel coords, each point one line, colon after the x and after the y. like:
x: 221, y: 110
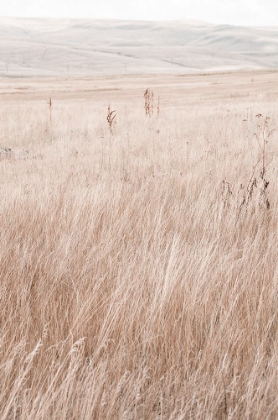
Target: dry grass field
x: 138, y: 262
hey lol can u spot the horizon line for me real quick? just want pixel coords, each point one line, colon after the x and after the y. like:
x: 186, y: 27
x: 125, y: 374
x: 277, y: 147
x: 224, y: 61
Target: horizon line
x: 139, y: 20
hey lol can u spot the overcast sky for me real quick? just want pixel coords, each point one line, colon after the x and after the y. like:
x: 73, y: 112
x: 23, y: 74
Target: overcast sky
x: 239, y: 12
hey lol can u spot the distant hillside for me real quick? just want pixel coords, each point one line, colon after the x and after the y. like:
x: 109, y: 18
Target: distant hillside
x: 90, y: 47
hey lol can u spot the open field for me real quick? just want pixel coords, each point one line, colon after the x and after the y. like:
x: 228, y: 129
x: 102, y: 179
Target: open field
x: 138, y: 262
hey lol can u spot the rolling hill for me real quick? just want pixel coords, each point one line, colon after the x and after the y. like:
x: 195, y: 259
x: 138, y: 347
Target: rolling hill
x: 52, y: 47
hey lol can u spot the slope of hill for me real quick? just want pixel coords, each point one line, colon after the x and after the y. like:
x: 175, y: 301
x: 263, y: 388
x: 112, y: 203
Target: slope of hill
x: 45, y: 47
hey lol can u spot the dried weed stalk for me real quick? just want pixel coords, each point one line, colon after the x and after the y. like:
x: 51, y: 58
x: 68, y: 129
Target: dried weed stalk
x: 111, y: 115
x: 158, y: 106
x: 49, y: 103
x: 257, y: 186
x: 149, y: 102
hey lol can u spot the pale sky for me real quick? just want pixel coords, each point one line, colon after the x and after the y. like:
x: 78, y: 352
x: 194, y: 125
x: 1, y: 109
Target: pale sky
x: 238, y: 12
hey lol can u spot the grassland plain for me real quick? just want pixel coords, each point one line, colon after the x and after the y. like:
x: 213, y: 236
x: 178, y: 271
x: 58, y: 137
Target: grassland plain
x: 138, y: 268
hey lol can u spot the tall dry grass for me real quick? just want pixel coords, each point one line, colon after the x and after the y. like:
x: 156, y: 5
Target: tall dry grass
x: 133, y: 285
